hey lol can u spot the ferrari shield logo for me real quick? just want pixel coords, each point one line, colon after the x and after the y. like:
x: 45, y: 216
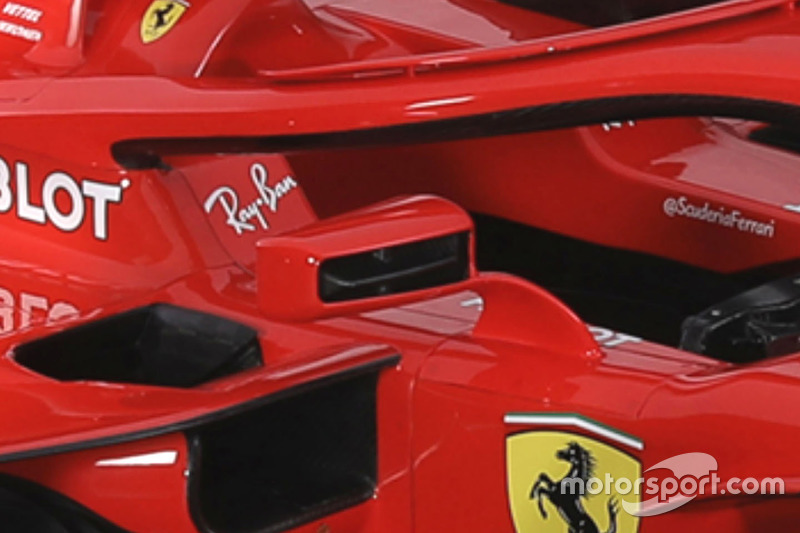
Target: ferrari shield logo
x: 560, y: 482
x: 160, y: 18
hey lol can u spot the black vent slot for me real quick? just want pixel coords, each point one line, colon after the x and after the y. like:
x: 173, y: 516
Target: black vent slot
x: 395, y: 269
x: 289, y: 462
x: 28, y: 507
x: 155, y: 345
x: 599, y: 13
x: 783, y: 137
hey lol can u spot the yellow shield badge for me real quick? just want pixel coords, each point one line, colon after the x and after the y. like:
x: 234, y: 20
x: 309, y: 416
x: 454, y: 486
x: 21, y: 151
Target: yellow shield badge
x: 560, y: 481
x: 161, y: 17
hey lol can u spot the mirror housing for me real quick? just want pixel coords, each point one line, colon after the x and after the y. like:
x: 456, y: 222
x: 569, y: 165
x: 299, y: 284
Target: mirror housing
x: 400, y: 250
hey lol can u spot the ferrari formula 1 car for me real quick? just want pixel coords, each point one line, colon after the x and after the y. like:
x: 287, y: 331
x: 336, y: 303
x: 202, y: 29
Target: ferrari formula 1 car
x: 376, y: 266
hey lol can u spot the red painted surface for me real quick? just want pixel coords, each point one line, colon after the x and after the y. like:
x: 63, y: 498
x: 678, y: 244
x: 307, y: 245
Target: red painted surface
x: 85, y: 237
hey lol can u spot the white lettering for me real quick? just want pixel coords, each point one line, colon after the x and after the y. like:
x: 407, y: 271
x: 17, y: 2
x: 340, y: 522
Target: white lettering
x: 621, y: 338
x: 22, y: 32
x: 6, y: 198
x: 6, y: 311
x: 267, y: 197
x: 31, y: 305
x: 101, y: 194
x: 721, y: 216
x: 229, y: 201
x: 27, y: 303
x: 62, y: 311
x: 25, y: 210
x: 60, y: 181
x: 610, y: 339
x: 25, y: 13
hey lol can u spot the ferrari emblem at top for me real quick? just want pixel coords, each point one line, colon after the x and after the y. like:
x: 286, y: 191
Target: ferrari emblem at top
x: 160, y: 18
x: 549, y: 484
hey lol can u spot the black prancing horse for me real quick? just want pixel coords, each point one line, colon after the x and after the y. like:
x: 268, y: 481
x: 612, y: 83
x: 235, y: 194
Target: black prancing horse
x: 562, y: 493
x: 161, y: 15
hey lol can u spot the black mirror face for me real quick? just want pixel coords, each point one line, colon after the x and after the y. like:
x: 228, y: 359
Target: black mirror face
x: 365, y: 259
x: 392, y: 270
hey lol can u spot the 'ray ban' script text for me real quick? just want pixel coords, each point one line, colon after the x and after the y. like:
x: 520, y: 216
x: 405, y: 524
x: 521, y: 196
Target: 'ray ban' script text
x: 253, y: 214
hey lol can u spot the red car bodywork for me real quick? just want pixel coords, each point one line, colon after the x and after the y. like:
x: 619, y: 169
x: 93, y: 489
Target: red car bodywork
x: 217, y: 167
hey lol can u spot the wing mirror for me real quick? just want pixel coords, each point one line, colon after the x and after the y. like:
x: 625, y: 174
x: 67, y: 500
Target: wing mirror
x: 396, y: 251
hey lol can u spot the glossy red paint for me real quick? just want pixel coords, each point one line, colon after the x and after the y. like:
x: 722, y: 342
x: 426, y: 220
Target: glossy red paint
x: 161, y: 99
x: 625, y: 171
x: 203, y: 169
x: 266, y: 193
x: 150, y: 473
